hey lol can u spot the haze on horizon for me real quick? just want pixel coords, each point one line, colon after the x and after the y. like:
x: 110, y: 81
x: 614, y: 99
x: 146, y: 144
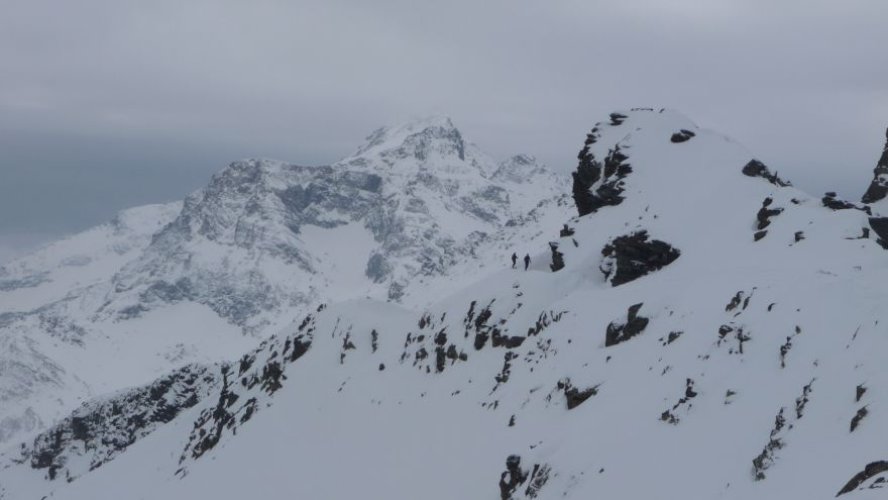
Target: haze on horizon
x: 110, y: 104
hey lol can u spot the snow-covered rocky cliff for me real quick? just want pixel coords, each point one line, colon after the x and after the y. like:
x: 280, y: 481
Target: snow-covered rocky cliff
x: 701, y: 330
x: 414, y: 211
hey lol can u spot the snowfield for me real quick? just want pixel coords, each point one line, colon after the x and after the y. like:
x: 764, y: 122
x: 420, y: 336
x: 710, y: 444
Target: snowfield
x: 703, y: 330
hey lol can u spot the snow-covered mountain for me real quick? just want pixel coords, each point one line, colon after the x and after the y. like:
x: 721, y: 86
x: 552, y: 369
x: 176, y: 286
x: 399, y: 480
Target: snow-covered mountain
x: 417, y: 209
x: 702, y: 330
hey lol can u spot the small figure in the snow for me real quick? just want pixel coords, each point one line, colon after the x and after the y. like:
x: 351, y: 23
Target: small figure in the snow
x: 514, y: 259
x: 526, y: 261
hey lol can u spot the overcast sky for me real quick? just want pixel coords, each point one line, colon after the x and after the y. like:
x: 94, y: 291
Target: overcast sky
x: 110, y: 104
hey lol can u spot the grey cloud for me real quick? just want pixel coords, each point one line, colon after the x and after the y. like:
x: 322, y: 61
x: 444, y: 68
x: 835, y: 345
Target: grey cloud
x: 106, y: 104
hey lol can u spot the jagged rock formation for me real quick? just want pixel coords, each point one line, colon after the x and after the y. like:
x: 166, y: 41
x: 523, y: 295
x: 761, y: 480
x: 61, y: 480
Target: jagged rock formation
x: 878, y: 188
x: 756, y: 168
x: 632, y: 256
x: 597, y: 183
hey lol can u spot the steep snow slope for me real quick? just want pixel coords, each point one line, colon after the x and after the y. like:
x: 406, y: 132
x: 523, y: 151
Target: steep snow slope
x: 704, y: 330
x: 415, y: 210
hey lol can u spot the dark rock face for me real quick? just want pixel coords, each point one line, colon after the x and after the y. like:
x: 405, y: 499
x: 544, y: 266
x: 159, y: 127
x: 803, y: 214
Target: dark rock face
x: 446, y: 352
x: 237, y: 396
x: 597, y: 184
x: 859, y: 392
x: 831, y: 201
x: 634, y: 255
x: 617, y: 119
x: 672, y: 337
x: 682, y: 136
x: 484, y: 330
x: 586, y: 175
x: 756, y: 168
x: 621, y: 332
x: 880, y: 226
x: 575, y: 396
x: 871, y: 470
x: 878, y: 188
x: 104, y: 429
x: 557, y: 257
x: 764, y: 214
x: 858, y: 417
x: 512, y: 478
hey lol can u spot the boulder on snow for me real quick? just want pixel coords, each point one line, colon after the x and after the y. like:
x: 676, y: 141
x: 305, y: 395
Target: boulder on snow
x: 632, y: 256
x: 621, y: 332
x: 575, y: 396
x: 682, y: 136
x: 756, y: 168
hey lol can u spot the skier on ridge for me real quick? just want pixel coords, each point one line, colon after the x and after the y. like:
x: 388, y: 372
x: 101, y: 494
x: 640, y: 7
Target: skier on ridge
x: 526, y: 261
x: 514, y: 259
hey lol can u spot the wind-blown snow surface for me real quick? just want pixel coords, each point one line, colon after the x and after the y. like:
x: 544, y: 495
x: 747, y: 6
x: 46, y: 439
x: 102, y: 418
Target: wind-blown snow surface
x: 677, y: 352
x: 415, y: 211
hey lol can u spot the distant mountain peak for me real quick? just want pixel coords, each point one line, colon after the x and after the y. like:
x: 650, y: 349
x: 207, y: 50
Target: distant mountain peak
x: 424, y: 140
x: 395, y: 134
x: 519, y: 169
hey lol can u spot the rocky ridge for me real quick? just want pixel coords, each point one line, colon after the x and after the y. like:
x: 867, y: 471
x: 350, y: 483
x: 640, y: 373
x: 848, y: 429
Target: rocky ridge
x: 722, y: 368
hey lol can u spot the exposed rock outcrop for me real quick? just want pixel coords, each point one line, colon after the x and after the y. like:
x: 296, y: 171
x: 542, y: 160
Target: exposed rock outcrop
x: 871, y: 470
x: 598, y: 184
x: 682, y: 136
x: 632, y: 256
x: 103, y: 429
x: 620, y: 332
x: 756, y: 168
x: 878, y: 188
